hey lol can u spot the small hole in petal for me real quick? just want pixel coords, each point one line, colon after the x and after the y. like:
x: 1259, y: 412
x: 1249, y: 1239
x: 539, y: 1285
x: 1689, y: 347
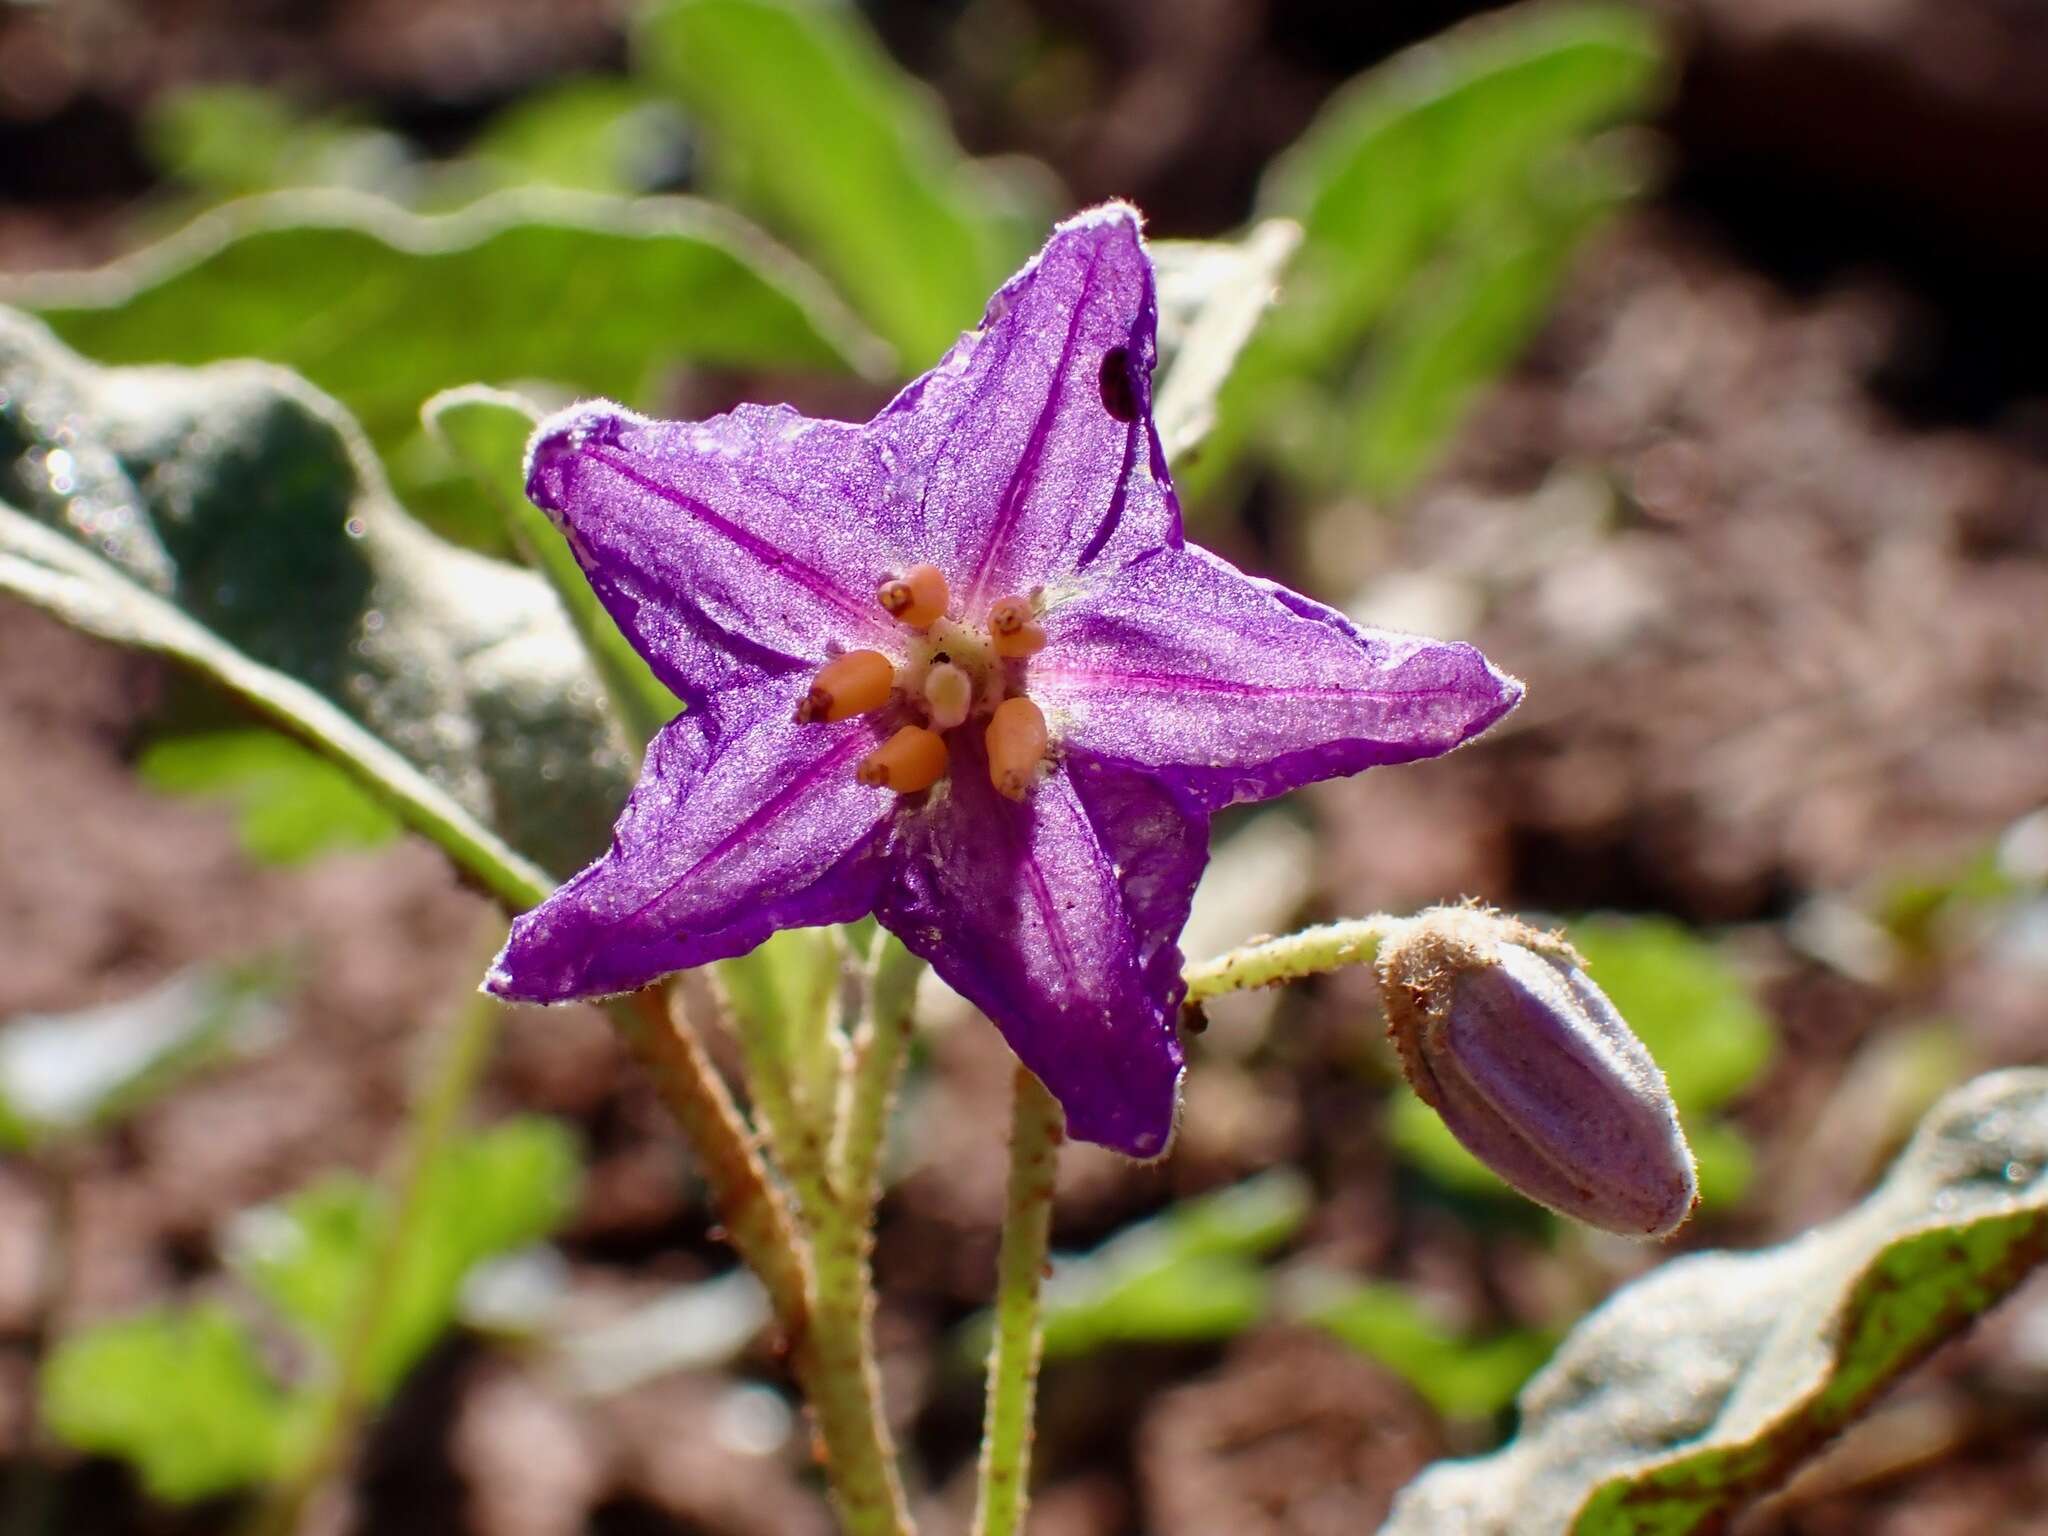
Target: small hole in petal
x: 1118, y: 397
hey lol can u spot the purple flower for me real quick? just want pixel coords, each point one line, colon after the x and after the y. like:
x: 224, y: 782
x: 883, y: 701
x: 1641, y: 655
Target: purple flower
x: 956, y: 667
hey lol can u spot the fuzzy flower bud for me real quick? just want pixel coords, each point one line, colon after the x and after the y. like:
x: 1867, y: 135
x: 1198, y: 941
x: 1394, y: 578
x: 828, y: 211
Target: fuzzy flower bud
x: 1503, y: 1034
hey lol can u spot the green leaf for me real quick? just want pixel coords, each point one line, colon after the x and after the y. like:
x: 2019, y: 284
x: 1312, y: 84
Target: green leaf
x: 63, y: 1073
x: 232, y: 518
x: 1212, y: 294
x: 182, y: 1396
x: 1703, y: 1385
x: 1399, y: 185
x: 1467, y: 318
x: 233, y: 140
x: 1437, y: 135
x: 381, y: 308
x: 1188, y: 1274
x: 292, y: 804
x: 598, y: 134
x: 485, y: 430
x: 1461, y: 1377
x: 487, y: 1195
x: 815, y: 130
x: 1683, y: 1000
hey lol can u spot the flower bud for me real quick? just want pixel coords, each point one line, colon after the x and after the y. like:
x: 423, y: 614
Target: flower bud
x: 1503, y: 1034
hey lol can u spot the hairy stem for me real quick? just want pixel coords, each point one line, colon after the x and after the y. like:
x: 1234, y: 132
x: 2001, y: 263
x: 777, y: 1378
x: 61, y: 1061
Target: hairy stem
x: 879, y: 1045
x: 434, y: 1118
x: 820, y: 1290
x: 749, y: 1205
x: 1269, y: 962
x: 1003, y: 1492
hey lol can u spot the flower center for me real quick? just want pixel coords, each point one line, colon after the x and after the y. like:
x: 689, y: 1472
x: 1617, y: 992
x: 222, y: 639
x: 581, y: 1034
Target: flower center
x: 956, y: 674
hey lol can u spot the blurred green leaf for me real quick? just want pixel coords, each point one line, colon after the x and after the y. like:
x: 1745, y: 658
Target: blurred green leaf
x: 1425, y: 1142
x: 293, y: 804
x: 1683, y: 1000
x: 1400, y: 185
x: 485, y: 430
x: 232, y: 518
x: 1436, y: 136
x: 1461, y: 1377
x: 380, y: 307
x: 1704, y: 1384
x: 814, y: 129
x: 1188, y: 1274
x: 1727, y: 1163
x: 62, y: 1073
x: 234, y: 140
x: 181, y: 1396
x: 487, y: 1195
x: 1464, y: 320
x: 593, y: 134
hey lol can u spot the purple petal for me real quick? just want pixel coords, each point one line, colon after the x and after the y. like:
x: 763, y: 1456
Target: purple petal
x: 727, y: 838
x: 1240, y: 690
x: 1031, y: 443
x: 1057, y: 918
x: 760, y: 529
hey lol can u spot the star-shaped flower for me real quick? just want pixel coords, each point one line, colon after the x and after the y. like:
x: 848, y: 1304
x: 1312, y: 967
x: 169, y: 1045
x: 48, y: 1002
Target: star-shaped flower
x: 956, y: 667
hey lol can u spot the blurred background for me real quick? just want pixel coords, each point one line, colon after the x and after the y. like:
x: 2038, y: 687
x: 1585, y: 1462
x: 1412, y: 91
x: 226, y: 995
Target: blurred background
x: 1690, y: 358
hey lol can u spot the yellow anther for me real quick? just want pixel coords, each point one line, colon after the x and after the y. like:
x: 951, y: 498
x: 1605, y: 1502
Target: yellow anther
x: 911, y: 760
x: 1011, y: 629
x: 948, y: 695
x: 848, y: 685
x: 1016, y: 746
x: 918, y: 597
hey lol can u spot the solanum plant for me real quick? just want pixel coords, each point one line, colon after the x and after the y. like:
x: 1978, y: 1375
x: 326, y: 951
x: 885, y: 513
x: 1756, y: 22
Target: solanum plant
x: 956, y: 669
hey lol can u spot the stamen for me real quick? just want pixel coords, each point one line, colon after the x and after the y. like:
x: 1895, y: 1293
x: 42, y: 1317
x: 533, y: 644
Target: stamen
x: 1016, y: 746
x: 948, y: 695
x: 918, y: 597
x: 1011, y: 629
x: 848, y: 685
x: 911, y: 760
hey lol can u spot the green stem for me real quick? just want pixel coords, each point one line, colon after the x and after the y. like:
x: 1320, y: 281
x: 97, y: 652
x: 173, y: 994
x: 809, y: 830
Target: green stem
x: 1004, y: 1492
x: 749, y: 1205
x: 435, y: 1117
x: 1269, y: 962
x: 843, y: 1197
x: 879, y: 1045
x: 823, y: 1297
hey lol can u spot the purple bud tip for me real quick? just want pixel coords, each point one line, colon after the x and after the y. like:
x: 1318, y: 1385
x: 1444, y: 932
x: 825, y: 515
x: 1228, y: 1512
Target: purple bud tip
x: 1501, y: 1032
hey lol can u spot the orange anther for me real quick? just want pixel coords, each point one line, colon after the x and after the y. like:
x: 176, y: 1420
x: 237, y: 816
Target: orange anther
x: 918, y: 597
x: 911, y: 760
x: 848, y: 685
x: 1016, y: 746
x: 1011, y: 629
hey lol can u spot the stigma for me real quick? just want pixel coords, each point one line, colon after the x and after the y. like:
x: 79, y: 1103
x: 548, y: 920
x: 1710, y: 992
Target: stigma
x: 954, y: 674
x: 948, y: 695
